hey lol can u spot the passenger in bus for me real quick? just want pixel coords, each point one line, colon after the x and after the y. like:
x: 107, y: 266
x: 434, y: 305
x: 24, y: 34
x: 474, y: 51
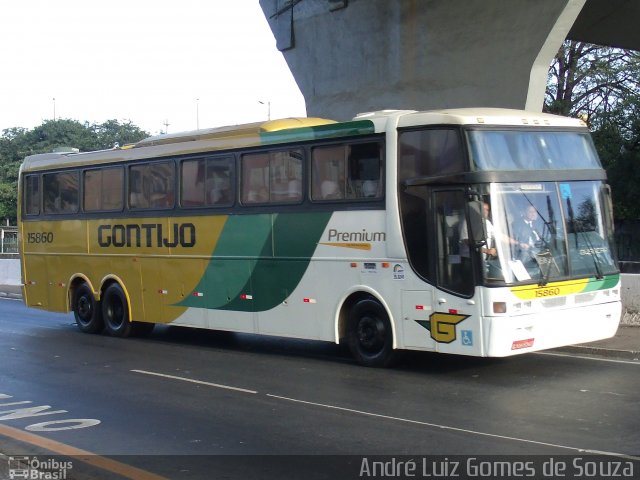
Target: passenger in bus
x: 216, y: 196
x: 488, y: 250
x: 295, y: 189
x: 258, y: 195
x: 221, y: 192
x: 68, y: 204
x: 329, y: 190
x: 369, y: 188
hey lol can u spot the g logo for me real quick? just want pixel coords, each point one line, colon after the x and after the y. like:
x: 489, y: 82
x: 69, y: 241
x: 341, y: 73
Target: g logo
x: 443, y: 326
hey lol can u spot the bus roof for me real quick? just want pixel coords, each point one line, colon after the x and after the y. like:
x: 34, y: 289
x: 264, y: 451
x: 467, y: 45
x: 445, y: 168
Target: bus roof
x: 292, y: 130
x: 475, y: 116
x: 212, y: 139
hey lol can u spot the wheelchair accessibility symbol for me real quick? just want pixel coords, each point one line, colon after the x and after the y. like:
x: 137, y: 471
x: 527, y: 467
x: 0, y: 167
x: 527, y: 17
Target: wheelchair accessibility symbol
x: 467, y: 338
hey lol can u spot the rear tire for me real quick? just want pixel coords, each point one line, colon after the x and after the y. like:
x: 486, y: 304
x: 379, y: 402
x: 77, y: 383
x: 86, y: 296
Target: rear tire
x: 115, y: 311
x: 370, y: 336
x: 86, y: 310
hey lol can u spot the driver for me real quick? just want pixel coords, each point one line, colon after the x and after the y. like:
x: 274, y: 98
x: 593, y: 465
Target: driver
x: 527, y: 234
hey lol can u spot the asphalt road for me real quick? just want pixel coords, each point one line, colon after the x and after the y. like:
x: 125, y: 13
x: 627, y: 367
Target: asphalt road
x: 182, y: 402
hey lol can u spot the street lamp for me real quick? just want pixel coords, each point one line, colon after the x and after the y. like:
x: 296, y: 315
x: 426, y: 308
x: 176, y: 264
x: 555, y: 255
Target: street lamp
x: 268, y: 104
x: 197, y: 114
x: 54, y: 109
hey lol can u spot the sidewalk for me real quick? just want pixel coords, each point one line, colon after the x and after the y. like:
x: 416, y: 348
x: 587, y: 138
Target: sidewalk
x: 625, y: 344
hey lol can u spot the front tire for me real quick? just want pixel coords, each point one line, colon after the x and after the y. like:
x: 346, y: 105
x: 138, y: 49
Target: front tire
x: 115, y: 311
x: 370, y: 336
x: 86, y: 310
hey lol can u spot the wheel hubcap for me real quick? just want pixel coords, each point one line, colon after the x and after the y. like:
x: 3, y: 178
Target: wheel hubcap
x: 84, y: 309
x: 371, y: 334
x: 116, y: 313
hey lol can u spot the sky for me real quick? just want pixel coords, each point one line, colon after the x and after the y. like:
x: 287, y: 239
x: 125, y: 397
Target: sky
x: 187, y: 63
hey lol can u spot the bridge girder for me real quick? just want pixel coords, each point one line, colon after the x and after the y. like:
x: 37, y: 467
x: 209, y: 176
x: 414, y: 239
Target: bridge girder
x: 350, y: 56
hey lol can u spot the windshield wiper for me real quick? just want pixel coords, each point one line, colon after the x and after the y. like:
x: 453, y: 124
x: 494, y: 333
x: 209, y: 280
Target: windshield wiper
x: 551, y: 226
x: 545, y: 255
x: 592, y: 251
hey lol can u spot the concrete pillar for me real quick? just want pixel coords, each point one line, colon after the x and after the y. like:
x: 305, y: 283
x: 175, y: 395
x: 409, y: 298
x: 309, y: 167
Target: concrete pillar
x: 351, y: 56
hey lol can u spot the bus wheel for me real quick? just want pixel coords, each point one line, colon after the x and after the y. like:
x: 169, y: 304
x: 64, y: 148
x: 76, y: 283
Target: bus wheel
x: 86, y: 310
x: 115, y: 311
x: 370, y: 336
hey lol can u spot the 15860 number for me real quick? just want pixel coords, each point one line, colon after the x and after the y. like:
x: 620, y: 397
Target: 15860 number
x: 40, y: 237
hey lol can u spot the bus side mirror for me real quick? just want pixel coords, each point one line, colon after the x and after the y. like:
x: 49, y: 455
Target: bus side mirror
x: 476, y: 224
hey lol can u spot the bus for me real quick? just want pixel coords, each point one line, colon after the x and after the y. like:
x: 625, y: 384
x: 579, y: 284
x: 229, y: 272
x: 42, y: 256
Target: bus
x: 397, y: 230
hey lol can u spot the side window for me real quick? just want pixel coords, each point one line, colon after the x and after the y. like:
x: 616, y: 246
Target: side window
x: 151, y: 185
x: 328, y: 173
x: 430, y: 152
x: 414, y: 205
x: 103, y: 189
x: 272, y: 177
x: 61, y: 192
x: 349, y: 171
x: 422, y: 153
x: 207, y: 182
x: 454, y: 270
x: 32, y: 195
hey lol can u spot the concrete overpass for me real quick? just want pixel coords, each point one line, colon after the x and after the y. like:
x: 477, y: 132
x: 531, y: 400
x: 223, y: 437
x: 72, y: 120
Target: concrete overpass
x: 350, y: 56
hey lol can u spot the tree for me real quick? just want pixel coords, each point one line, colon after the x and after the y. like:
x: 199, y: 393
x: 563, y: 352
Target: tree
x: 602, y: 85
x: 591, y: 81
x: 18, y: 143
x: 112, y: 133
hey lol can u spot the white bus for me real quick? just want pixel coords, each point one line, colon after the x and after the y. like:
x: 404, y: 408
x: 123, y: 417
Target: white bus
x: 396, y: 230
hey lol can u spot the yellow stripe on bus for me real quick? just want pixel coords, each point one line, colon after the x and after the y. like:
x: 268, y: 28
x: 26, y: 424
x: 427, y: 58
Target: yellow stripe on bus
x: 553, y: 289
x: 357, y: 246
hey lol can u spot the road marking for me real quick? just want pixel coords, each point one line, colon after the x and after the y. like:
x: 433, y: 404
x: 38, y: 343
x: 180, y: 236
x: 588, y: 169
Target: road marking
x: 584, y: 357
x: 400, y: 419
x: 78, y: 454
x: 456, y: 429
x: 2, y: 297
x: 191, y: 380
x: 583, y: 390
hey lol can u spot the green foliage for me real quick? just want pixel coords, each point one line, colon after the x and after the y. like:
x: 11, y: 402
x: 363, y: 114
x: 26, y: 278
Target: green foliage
x: 8, y: 195
x: 602, y: 85
x: 18, y: 143
x: 618, y: 142
x: 591, y: 81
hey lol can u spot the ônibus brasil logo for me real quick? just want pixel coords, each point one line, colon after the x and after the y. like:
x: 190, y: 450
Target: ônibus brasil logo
x: 34, y: 468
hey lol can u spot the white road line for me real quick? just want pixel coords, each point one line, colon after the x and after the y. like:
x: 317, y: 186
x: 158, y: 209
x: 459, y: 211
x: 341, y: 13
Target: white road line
x: 407, y: 420
x: 583, y: 357
x: 191, y: 380
x: 455, y: 429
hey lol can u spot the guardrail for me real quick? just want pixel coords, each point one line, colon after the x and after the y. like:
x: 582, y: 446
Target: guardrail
x: 9, y: 240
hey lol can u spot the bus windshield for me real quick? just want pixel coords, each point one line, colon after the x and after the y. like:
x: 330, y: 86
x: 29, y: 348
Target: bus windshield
x: 545, y: 231
x: 531, y: 150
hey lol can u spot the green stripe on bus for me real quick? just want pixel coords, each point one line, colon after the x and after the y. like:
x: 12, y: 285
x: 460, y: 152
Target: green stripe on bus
x: 259, y: 261
x: 345, y: 129
x: 608, y: 281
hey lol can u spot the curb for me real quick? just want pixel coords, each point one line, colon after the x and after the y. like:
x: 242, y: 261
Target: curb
x: 12, y: 296
x: 602, y: 352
